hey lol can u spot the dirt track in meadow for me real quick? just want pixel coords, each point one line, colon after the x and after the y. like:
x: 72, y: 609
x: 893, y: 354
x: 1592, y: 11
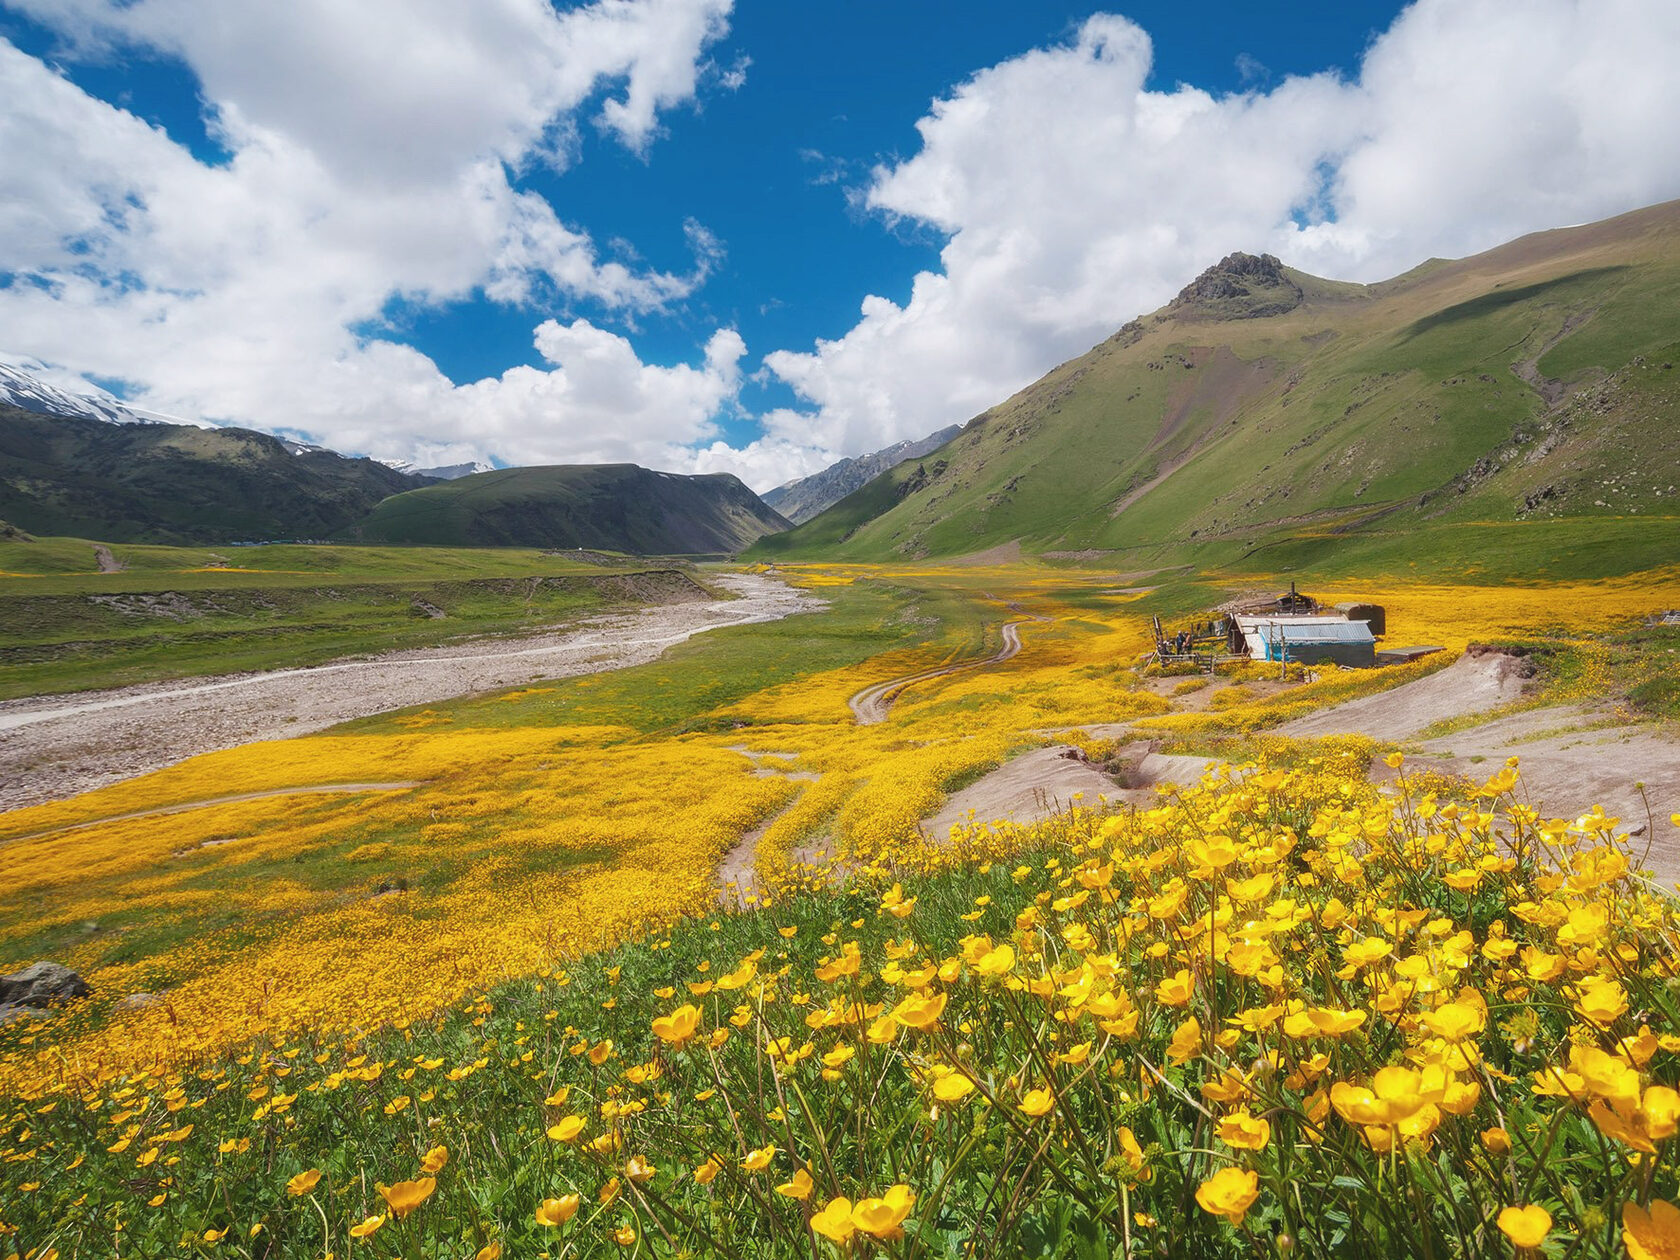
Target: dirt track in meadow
x: 871, y: 705
x: 57, y: 746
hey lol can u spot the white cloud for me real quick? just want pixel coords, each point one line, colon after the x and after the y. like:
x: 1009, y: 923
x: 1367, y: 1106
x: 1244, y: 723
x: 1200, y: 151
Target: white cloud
x: 1074, y: 199
x: 376, y: 149
x: 413, y: 90
x: 371, y: 149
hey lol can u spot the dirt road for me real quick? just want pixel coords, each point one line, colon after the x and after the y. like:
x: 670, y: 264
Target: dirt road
x: 871, y: 704
x: 55, y: 747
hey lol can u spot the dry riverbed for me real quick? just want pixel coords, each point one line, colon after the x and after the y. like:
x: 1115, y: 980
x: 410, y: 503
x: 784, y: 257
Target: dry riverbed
x: 56, y: 747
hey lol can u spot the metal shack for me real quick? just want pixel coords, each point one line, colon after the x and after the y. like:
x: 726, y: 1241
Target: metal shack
x: 1309, y: 640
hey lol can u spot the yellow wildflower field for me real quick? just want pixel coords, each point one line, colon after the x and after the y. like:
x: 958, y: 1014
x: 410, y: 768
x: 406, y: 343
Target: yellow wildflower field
x: 518, y: 848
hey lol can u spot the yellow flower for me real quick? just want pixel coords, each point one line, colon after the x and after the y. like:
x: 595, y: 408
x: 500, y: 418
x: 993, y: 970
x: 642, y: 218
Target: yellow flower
x: 599, y: 1054
x: 367, y: 1227
x: 1175, y: 990
x: 555, y: 1212
x: 920, y: 1012
x: 638, y: 1170
x: 1601, y: 1001
x: 740, y: 977
x: 405, y: 1196
x: 706, y: 1172
x: 883, y: 1030
x: 1229, y: 1193
x: 624, y: 1235
x: 303, y: 1183
x: 759, y: 1160
x: 679, y: 1026
x: 434, y: 1160
x: 882, y: 1217
x: 1526, y: 1226
x: 798, y: 1188
x: 1037, y: 1101
x: 490, y: 1251
x: 567, y: 1129
x: 216, y: 1235
x: 1396, y: 1094
x: 1319, y: 1021
x: 896, y: 904
x: 835, y: 1220
x: 996, y: 962
x: 1186, y: 1041
x: 1455, y: 1021
x: 1497, y: 1141
x: 558, y: 1097
x: 1243, y: 1131
x: 1653, y: 1234
x: 953, y: 1087
x: 1133, y: 1154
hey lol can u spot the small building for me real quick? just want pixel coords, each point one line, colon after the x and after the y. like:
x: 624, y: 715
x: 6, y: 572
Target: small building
x: 1311, y: 640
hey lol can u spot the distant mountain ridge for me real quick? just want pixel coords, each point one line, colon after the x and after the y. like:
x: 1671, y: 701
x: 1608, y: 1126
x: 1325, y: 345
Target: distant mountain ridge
x: 443, y: 472
x: 800, y: 500
x: 1265, y: 410
x: 22, y: 389
x: 605, y: 507
x: 172, y: 483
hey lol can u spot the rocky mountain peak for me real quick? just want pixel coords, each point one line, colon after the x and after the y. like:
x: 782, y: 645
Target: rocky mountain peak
x: 1239, y: 286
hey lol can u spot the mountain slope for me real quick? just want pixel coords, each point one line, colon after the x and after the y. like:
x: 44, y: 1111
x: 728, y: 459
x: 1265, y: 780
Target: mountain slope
x: 171, y: 483
x: 20, y: 388
x: 611, y: 507
x: 800, y: 500
x: 1535, y: 380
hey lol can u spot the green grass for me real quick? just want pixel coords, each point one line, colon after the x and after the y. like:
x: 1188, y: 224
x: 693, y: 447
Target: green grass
x: 1364, y: 414
x: 693, y: 685
x: 168, y: 615
x: 1572, y: 549
x: 617, y: 506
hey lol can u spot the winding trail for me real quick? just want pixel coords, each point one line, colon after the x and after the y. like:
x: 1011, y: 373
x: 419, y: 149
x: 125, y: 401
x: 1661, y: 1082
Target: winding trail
x: 871, y: 705
x: 59, y: 746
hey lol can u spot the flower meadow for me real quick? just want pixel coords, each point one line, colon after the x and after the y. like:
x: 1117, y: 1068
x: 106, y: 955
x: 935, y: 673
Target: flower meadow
x: 1278, y: 1012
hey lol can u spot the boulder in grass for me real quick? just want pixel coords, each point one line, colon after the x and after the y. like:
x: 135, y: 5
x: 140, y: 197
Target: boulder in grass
x: 41, y: 984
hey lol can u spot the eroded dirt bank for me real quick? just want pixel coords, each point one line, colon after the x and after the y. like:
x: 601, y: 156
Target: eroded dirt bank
x: 56, y: 747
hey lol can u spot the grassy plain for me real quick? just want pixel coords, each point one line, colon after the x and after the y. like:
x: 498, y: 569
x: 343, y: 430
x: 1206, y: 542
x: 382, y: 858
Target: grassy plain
x: 1173, y: 1032
x: 174, y: 612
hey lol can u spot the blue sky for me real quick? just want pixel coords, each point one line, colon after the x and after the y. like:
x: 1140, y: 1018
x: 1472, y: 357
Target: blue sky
x: 276, y: 226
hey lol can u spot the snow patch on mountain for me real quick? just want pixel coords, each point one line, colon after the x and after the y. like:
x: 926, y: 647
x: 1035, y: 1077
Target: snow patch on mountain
x: 443, y: 472
x: 23, y: 386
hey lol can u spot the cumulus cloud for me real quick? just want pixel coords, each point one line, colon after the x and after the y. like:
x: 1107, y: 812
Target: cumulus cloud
x: 1074, y: 198
x: 374, y: 151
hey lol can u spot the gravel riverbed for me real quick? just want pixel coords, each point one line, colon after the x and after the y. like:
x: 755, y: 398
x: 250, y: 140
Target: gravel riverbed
x: 57, y: 746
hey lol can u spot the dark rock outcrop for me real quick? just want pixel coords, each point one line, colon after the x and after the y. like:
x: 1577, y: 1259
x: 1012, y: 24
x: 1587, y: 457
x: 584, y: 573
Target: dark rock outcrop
x: 41, y: 984
x: 1241, y: 286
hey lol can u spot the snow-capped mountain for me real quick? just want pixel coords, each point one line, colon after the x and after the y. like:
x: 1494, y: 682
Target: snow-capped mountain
x: 445, y: 472
x: 20, y: 388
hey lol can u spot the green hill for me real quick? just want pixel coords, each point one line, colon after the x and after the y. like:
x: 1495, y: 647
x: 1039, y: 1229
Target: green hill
x: 1266, y: 407
x: 614, y: 507
x: 171, y: 483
